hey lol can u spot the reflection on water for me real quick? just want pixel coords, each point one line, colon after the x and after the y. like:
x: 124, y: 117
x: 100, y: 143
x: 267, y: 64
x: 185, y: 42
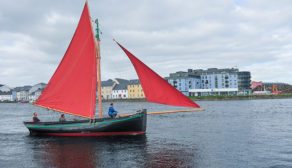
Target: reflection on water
x: 63, y: 153
x: 108, y: 152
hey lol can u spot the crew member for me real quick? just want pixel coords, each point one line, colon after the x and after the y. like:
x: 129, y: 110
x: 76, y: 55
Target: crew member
x: 62, y: 118
x: 111, y: 111
x: 35, y: 117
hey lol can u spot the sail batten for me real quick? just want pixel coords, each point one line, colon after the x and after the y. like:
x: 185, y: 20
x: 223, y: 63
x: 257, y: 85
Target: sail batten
x: 72, y: 88
x: 157, y: 89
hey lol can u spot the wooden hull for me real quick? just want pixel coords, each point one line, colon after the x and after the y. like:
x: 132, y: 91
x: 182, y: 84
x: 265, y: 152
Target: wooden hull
x: 128, y: 125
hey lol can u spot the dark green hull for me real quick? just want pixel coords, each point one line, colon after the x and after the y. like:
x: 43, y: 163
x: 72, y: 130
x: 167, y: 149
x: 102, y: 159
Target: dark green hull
x: 129, y: 125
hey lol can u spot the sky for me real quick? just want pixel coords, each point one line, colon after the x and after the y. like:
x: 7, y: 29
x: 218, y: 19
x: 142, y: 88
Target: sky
x: 167, y: 35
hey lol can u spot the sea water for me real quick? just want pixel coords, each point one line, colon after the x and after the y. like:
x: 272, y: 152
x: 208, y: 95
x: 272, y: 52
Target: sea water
x: 245, y: 133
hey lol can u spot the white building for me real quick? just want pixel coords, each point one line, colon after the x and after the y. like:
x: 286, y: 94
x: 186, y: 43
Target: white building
x: 107, y: 88
x: 6, y: 96
x: 119, y: 94
x: 217, y: 82
x: 22, y: 93
x: 183, y: 81
x: 120, y: 91
x: 35, y: 91
x: 6, y: 93
x: 35, y: 95
x: 212, y: 81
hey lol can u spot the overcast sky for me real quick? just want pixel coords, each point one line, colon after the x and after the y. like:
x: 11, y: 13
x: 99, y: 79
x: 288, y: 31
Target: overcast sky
x: 167, y: 35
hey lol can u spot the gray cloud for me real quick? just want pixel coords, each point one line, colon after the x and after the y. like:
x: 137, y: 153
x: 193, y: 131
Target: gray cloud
x: 168, y: 35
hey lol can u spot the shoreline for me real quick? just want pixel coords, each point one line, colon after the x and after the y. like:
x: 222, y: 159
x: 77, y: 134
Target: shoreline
x: 242, y: 97
x: 215, y: 98
x: 205, y: 98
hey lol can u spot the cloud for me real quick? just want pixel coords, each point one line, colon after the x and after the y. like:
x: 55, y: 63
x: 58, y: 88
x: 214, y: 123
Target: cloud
x: 168, y: 35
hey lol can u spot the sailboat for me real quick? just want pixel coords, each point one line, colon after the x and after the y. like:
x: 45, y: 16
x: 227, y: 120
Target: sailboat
x: 72, y: 90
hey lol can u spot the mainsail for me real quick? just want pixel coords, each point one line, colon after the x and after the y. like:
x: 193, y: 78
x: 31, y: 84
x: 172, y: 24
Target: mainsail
x: 72, y: 88
x: 157, y: 89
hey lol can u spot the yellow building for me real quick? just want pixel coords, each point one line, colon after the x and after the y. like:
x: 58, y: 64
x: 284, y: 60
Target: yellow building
x: 135, y: 90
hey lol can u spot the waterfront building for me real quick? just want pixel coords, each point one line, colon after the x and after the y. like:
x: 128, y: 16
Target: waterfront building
x: 214, y: 78
x: 257, y: 86
x: 135, y: 90
x: 107, y: 88
x: 33, y: 96
x: 217, y: 82
x: 184, y: 81
x: 278, y: 87
x: 6, y: 93
x: 213, y: 81
x: 244, y: 83
x: 263, y: 88
x: 6, y: 96
x: 22, y: 93
x: 120, y: 90
x: 35, y: 91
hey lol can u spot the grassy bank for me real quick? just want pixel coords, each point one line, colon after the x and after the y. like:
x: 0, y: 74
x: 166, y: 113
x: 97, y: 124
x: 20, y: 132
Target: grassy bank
x: 242, y: 97
x: 217, y: 97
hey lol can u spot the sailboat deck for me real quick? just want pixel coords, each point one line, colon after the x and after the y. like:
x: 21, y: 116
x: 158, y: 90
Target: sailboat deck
x: 82, y: 121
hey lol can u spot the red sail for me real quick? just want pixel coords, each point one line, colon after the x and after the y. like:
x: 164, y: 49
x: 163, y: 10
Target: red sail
x: 72, y: 88
x: 157, y: 89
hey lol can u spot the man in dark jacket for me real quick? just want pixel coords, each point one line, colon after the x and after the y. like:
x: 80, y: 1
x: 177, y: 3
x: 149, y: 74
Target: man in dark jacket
x: 111, y: 111
x: 62, y: 118
x: 35, y: 117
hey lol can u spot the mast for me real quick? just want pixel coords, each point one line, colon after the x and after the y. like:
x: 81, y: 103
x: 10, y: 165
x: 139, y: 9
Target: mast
x: 97, y: 41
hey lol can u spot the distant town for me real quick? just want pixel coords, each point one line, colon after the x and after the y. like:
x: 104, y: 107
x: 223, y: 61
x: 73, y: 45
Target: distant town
x: 195, y: 83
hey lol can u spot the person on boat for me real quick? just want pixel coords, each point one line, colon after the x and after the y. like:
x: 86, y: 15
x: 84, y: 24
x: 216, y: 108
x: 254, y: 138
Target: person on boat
x: 62, y: 118
x: 111, y: 111
x: 35, y: 117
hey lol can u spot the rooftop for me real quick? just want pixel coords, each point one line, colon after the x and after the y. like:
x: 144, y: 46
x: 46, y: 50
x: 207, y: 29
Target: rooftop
x: 22, y: 88
x: 4, y: 88
x: 121, y: 84
x: 121, y: 81
x: 36, y: 87
x: 134, y: 82
x: 199, y: 72
x: 5, y: 93
x: 38, y: 90
x: 107, y: 83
